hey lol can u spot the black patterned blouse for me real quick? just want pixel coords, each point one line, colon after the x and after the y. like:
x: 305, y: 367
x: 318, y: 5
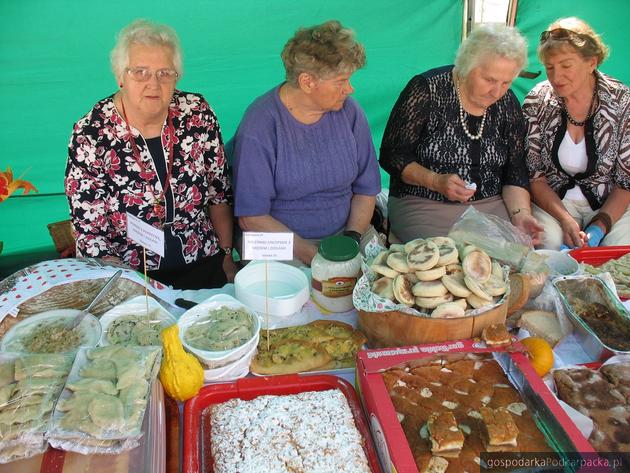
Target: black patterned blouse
x: 607, y: 135
x: 103, y: 181
x: 424, y: 127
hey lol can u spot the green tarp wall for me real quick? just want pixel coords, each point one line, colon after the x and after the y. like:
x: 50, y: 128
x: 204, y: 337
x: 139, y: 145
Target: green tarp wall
x: 54, y: 58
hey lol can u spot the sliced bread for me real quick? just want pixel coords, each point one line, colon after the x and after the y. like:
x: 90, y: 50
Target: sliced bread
x: 543, y: 324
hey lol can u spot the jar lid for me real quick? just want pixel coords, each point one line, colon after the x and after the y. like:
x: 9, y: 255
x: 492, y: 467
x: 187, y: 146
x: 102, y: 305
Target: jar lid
x: 338, y: 248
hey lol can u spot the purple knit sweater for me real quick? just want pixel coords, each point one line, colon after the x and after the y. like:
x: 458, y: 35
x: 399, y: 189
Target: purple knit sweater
x: 302, y: 175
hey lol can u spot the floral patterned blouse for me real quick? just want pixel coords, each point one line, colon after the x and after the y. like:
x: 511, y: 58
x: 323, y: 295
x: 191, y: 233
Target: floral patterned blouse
x: 607, y: 135
x: 104, y: 181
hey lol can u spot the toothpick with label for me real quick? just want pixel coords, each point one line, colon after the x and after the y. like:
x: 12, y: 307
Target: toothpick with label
x: 267, y: 247
x: 148, y: 237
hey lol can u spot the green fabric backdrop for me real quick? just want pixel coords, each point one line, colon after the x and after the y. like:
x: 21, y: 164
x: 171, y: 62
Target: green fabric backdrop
x: 54, y: 57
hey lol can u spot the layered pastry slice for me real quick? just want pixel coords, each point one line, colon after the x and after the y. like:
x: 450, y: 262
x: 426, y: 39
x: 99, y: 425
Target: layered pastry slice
x: 500, y: 430
x: 446, y: 438
x: 496, y: 335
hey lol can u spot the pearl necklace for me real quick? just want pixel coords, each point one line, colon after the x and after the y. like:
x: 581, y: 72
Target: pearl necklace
x: 463, y: 121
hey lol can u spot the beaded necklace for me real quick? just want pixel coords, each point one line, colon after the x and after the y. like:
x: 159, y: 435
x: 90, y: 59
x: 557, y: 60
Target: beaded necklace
x: 572, y: 120
x: 462, y: 119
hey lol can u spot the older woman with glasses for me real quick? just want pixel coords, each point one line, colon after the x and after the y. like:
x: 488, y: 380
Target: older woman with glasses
x: 304, y: 161
x: 579, y: 141
x: 456, y: 136
x: 155, y: 153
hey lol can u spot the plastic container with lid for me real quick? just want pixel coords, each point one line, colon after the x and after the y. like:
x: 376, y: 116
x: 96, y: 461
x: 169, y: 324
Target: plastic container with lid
x: 335, y: 269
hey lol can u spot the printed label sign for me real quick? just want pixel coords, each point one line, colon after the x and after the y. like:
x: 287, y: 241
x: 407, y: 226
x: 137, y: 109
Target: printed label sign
x: 144, y: 234
x: 335, y: 287
x: 267, y: 246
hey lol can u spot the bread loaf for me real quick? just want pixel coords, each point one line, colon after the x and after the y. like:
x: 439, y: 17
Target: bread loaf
x: 519, y: 292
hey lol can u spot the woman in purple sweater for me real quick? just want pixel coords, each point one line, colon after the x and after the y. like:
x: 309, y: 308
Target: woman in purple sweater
x: 303, y: 155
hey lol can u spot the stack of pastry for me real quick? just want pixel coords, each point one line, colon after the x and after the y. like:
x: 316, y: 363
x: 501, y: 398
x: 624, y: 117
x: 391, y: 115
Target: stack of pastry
x: 320, y: 345
x: 434, y: 277
x: 461, y: 405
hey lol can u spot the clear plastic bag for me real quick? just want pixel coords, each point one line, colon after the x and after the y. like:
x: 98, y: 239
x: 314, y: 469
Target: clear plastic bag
x: 104, y: 400
x: 29, y: 388
x: 497, y: 237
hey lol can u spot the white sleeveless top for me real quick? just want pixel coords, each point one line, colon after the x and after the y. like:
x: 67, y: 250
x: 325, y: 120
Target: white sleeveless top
x: 573, y: 159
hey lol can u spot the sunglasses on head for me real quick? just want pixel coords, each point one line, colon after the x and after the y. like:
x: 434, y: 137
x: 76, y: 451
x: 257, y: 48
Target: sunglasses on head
x: 563, y: 34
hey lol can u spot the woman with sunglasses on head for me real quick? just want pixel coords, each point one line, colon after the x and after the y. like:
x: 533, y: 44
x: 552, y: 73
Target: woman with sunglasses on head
x: 579, y: 142
x: 154, y: 152
x: 456, y: 136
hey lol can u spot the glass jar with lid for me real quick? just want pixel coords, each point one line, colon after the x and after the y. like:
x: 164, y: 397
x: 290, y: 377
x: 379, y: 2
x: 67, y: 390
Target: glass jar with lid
x: 336, y: 268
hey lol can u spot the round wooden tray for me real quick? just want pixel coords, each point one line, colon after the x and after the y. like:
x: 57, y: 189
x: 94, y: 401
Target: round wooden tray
x: 395, y: 329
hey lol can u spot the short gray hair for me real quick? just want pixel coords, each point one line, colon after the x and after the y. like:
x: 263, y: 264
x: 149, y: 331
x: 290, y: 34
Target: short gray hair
x: 490, y: 40
x: 322, y: 50
x: 149, y: 34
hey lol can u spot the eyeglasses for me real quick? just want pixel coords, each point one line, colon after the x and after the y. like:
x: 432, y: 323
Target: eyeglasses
x: 562, y: 34
x: 142, y: 74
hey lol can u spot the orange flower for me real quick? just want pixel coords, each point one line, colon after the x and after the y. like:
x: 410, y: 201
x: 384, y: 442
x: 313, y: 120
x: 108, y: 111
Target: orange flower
x: 8, y: 186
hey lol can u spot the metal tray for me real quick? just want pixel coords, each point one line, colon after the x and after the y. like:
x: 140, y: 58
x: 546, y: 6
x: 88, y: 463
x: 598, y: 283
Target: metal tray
x: 590, y: 341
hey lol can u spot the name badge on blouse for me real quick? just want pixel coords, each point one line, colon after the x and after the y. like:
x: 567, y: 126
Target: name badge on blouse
x: 145, y: 235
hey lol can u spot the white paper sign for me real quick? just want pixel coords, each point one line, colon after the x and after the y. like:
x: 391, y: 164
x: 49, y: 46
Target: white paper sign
x: 267, y: 246
x: 144, y: 234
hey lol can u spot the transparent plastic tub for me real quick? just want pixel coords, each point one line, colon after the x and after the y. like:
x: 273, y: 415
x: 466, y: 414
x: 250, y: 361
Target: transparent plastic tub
x: 17, y: 338
x: 148, y: 457
x: 218, y: 359
x: 136, y: 307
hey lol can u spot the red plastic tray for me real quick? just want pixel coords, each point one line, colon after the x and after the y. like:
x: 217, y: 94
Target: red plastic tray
x: 197, y: 458
x: 599, y: 255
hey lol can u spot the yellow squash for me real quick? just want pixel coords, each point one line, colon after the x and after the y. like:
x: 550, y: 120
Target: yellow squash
x: 181, y: 373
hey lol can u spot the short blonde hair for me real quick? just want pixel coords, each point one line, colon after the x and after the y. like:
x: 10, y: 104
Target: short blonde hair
x: 149, y: 34
x: 322, y: 50
x: 579, y: 36
x: 487, y: 41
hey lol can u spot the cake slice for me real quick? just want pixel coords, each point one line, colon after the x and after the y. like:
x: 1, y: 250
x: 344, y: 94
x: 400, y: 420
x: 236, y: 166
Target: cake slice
x: 619, y: 375
x: 446, y: 438
x: 500, y: 430
x: 543, y: 324
x: 496, y: 335
x: 435, y: 465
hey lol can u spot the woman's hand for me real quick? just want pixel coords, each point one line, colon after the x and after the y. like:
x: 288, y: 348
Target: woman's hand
x: 452, y: 187
x: 229, y: 268
x: 525, y: 222
x: 572, y: 235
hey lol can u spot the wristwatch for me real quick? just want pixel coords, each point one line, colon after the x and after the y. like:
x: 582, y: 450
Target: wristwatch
x: 227, y: 250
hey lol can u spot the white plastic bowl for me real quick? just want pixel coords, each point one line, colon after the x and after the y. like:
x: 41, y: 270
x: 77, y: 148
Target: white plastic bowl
x: 135, y: 306
x: 218, y: 359
x: 560, y: 264
x: 235, y: 370
x: 90, y: 326
x: 287, y: 286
